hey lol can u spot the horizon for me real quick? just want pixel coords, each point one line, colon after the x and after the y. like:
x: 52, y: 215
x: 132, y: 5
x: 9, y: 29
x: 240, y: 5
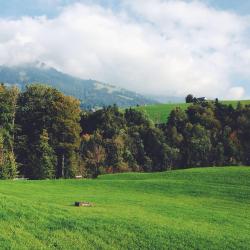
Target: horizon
x: 169, y: 48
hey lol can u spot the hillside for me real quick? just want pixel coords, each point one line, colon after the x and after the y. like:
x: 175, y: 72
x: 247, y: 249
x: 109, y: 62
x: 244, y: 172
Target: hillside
x: 91, y: 93
x: 186, y: 209
x: 160, y: 112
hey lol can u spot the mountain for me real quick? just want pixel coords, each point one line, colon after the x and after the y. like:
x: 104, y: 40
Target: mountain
x: 91, y: 93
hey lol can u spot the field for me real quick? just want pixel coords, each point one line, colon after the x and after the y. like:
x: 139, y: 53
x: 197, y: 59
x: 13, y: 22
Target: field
x: 160, y: 112
x: 185, y: 209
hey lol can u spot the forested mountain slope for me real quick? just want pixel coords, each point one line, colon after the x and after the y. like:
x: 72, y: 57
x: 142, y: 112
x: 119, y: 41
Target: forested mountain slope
x: 90, y: 92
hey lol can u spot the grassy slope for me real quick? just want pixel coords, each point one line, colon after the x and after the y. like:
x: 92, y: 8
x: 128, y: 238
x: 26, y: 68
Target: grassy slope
x: 185, y: 209
x: 159, y: 112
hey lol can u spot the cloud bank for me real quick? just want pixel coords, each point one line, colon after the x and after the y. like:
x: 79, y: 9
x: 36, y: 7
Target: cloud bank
x: 152, y: 47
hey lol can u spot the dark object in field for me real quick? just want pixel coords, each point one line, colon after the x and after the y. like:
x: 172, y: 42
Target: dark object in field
x: 83, y: 204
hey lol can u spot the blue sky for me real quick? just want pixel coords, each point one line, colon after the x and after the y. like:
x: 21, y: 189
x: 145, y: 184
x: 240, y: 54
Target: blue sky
x: 240, y: 6
x: 17, y: 8
x: 153, y: 47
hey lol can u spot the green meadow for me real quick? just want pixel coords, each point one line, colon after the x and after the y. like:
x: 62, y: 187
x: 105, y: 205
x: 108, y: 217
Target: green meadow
x: 205, y: 208
x: 160, y: 112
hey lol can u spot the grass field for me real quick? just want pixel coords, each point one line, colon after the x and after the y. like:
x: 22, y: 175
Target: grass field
x: 186, y: 209
x: 160, y: 112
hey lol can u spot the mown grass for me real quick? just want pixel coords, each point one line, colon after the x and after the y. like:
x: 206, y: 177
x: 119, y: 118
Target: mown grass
x: 185, y: 209
x: 160, y: 112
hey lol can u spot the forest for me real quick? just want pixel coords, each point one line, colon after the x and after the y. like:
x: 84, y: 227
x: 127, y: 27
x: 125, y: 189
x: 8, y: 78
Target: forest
x: 45, y: 135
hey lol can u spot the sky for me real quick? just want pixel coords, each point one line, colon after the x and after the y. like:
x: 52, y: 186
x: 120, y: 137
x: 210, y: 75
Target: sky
x: 156, y: 47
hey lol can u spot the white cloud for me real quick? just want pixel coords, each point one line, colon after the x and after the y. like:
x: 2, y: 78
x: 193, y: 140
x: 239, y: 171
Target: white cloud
x: 159, y: 47
x: 235, y: 93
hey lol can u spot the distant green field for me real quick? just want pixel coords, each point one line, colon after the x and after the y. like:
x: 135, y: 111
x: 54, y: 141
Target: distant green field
x: 160, y: 112
x: 185, y: 209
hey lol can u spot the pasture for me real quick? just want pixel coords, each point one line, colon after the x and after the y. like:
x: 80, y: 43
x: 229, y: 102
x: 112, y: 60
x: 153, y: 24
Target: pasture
x: 205, y: 208
x: 160, y: 112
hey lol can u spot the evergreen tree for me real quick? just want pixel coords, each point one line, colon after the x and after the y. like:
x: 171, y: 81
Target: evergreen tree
x: 8, y: 166
x: 47, y: 158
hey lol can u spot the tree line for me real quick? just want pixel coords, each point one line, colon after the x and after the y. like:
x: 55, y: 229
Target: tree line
x: 44, y: 135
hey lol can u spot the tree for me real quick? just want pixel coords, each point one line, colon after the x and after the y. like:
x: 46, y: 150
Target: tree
x: 136, y: 147
x: 47, y: 158
x: 177, y: 118
x: 45, y: 108
x: 199, y: 147
x: 218, y: 155
x: 243, y: 132
x: 137, y: 118
x: 93, y: 154
x: 65, y: 135
x: 8, y: 97
x: 109, y: 121
x: 189, y: 98
x: 8, y: 166
x: 51, y: 137
x: 155, y: 146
